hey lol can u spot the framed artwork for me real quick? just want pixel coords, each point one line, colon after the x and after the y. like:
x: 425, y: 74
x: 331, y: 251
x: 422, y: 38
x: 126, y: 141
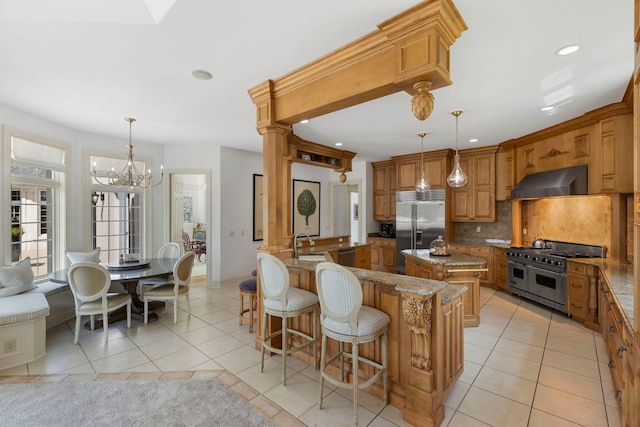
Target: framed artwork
x: 257, y: 208
x: 306, y: 207
x: 187, y: 203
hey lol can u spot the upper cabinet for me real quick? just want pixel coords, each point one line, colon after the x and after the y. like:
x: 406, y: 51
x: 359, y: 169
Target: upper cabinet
x: 435, y: 169
x: 476, y: 201
x: 600, y: 139
x: 384, y: 190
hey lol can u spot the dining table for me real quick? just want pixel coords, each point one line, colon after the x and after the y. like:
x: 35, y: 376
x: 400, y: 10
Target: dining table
x: 128, y: 274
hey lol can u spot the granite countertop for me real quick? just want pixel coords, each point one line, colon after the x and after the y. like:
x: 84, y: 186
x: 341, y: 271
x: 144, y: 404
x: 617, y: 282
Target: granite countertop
x: 457, y: 260
x: 329, y: 248
x: 401, y: 283
x: 620, y: 276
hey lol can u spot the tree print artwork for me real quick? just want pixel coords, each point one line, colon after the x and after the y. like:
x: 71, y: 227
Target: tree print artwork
x: 306, y: 205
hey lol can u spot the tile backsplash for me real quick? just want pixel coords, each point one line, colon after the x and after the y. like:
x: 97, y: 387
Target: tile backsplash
x: 583, y: 219
x: 467, y: 232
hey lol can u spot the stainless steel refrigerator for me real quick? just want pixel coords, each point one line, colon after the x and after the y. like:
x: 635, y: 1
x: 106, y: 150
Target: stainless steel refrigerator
x: 420, y: 219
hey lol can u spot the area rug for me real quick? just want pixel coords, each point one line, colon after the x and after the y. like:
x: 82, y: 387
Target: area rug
x: 200, y: 402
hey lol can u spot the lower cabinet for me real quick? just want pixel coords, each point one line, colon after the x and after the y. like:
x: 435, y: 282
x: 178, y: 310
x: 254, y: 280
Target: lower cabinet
x: 582, y: 299
x: 500, y: 269
x: 383, y: 254
x: 463, y: 277
x: 363, y: 257
x: 619, y: 339
x: 484, y: 252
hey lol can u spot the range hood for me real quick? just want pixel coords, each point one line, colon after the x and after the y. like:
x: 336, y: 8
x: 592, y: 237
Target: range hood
x: 561, y: 182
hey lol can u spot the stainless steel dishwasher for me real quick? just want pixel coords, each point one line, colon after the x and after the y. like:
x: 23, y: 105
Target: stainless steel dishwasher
x: 347, y: 257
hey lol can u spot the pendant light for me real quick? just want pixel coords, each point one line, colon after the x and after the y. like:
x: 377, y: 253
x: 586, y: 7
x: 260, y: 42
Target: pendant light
x: 422, y: 185
x: 457, y: 177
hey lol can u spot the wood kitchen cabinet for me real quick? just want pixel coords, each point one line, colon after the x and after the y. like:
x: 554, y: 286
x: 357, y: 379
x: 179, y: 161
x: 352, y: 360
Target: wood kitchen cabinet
x: 384, y: 190
x: 610, y: 170
x: 476, y: 201
x: 500, y: 269
x: 486, y: 278
x: 363, y: 257
x: 436, y: 169
x: 452, y: 271
x: 505, y: 172
x: 383, y: 254
x: 601, y: 139
x: 582, y: 298
x: 618, y: 335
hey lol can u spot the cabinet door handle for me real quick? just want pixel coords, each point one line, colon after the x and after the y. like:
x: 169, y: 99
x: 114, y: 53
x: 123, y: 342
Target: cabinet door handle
x: 612, y: 329
x: 619, y: 395
x: 620, y: 350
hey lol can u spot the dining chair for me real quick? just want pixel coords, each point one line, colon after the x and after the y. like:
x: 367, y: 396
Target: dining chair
x: 169, y: 250
x: 172, y: 290
x: 280, y: 300
x: 345, y: 319
x: 89, y: 283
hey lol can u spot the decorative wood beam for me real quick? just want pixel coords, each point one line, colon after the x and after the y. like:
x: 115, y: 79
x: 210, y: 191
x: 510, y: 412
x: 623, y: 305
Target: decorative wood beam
x: 409, y: 48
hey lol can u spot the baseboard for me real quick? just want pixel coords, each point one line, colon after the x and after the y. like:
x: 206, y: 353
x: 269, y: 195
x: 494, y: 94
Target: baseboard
x: 217, y: 284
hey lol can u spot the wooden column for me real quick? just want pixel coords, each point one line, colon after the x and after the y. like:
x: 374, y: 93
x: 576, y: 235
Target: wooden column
x: 276, y: 185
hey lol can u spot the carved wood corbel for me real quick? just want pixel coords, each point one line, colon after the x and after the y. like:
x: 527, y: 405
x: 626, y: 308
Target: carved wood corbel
x: 417, y: 313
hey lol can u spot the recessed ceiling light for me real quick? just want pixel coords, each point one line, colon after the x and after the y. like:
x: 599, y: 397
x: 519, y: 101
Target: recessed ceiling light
x: 473, y: 140
x: 567, y: 50
x: 338, y: 144
x: 547, y: 108
x: 304, y: 121
x: 202, y: 75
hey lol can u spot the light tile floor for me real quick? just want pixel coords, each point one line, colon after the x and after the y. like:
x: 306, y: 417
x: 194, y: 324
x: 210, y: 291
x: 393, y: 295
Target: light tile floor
x: 525, y: 365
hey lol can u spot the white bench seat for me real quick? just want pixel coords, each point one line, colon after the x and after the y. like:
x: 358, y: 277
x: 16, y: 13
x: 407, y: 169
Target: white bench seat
x: 60, y: 299
x: 22, y: 328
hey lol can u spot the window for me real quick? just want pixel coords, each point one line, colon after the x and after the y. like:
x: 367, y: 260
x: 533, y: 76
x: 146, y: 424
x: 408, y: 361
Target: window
x: 116, y: 225
x: 37, y: 176
x: 116, y: 213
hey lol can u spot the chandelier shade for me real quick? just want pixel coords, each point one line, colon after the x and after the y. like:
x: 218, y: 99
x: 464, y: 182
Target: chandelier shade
x: 457, y: 177
x: 422, y: 185
x: 130, y: 176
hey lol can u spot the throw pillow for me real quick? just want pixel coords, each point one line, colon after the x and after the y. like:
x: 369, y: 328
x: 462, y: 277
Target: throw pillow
x: 16, y: 279
x: 76, y: 257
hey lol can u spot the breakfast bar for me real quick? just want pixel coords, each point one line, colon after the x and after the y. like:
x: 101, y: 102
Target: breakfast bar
x: 425, y: 337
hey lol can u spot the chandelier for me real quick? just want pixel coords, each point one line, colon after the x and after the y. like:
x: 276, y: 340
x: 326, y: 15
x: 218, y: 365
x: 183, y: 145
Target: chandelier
x: 422, y: 185
x: 457, y: 177
x: 129, y: 176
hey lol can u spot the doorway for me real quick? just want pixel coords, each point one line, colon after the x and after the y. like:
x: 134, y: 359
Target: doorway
x: 346, y: 209
x: 189, y: 215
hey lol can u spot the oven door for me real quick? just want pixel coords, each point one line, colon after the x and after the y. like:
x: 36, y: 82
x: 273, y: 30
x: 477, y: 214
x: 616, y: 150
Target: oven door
x: 550, y: 285
x: 517, y: 276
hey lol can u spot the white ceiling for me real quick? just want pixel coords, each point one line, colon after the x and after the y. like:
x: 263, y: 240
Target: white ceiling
x: 88, y: 64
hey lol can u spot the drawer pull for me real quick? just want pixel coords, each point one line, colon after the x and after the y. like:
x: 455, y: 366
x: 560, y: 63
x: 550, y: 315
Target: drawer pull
x: 619, y: 395
x: 611, y: 364
x: 619, y: 322
x: 612, y: 330
x: 574, y: 286
x: 620, y: 350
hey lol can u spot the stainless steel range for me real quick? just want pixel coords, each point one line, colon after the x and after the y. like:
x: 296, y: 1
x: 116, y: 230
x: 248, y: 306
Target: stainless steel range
x: 541, y: 274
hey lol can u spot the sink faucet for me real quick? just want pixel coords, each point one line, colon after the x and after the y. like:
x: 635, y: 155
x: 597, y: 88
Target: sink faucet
x: 295, y: 243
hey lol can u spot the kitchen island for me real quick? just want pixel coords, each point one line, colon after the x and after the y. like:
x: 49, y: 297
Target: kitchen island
x: 458, y: 269
x: 425, y: 337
